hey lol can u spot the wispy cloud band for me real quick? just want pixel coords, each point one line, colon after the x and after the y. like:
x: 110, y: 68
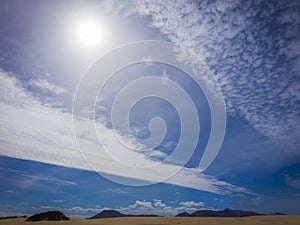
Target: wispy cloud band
x: 32, y: 131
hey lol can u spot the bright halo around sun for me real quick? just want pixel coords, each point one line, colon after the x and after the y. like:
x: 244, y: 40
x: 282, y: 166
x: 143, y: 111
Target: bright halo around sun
x: 89, y: 33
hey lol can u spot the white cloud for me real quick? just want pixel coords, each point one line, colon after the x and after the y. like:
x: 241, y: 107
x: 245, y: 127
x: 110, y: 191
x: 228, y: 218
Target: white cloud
x: 50, y: 180
x: 191, y: 204
x: 256, y: 65
x: 292, y: 181
x: 32, y: 131
x: 155, y: 207
x: 120, y: 8
x: 158, y: 207
x: 81, y: 211
x: 44, y: 85
x: 158, y: 203
x: 46, y: 207
x: 169, y: 145
x: 144, y: 205
x: 139, y: 207
x: 8, y: 92
x: 156, y: 154
x: 119, y: 191
x: 29, y: 180
x: 58, y: 200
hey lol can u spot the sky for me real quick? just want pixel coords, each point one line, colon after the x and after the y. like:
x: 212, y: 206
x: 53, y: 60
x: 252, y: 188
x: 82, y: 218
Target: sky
x: 207, y: 118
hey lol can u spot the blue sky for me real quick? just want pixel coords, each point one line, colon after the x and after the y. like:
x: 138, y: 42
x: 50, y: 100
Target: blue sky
x: 252, y: 50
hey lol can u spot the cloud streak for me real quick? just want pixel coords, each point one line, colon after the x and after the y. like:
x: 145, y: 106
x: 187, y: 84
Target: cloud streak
x: 45, y: 85
x: 37, y: 178
x: 29, y: 130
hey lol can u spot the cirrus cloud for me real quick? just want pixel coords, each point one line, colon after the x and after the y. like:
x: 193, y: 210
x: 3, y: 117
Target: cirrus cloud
x: 255, y: 61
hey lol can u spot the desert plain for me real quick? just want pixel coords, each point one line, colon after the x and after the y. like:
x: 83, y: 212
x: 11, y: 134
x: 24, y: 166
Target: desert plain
x: 253, y: 220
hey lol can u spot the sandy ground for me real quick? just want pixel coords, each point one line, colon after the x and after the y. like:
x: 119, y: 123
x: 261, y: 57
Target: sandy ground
x: 255, y: 220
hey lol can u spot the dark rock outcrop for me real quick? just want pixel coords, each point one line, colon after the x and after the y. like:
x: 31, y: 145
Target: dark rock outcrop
x: 49, y: 216
x: 114, y: 213
x: 224, y: 213
x: 12, y: 217
x: 108, y: 214
x: 184, y: 214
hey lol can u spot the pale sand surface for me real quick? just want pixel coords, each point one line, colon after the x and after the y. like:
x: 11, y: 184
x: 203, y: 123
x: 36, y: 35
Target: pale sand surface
x: 254, y: 220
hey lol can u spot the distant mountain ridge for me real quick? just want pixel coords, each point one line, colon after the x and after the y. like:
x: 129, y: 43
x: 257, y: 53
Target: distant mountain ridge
x: 199, y: 213
x: 224, y: 213
x: 115, y: 213
x: 12, y: 217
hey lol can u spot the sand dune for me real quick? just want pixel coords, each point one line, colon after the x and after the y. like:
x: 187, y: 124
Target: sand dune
x: 255, y: 220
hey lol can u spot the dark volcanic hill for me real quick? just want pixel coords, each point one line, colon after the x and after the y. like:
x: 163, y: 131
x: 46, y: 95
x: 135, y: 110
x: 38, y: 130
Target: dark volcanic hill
x: 199, y: 213
x: 114, y: 213
x: 184, y: 214
x: 108, y: 214
x: 224, y: 213
x: 49, y: 216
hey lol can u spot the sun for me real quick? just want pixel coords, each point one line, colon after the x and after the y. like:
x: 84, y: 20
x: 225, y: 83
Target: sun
x: 89, y: 33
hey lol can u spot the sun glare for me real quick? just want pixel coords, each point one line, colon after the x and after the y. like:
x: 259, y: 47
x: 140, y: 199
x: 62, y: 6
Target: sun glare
x: 89, y: 33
